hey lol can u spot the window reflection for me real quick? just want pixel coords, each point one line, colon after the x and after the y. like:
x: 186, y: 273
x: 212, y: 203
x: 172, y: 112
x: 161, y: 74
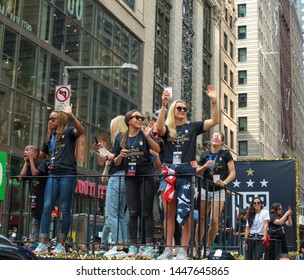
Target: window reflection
x: 59, y: 29
x: 26, y: 69
x: 21, y: 127
x: 73, y: 40
x: 6, y: 96
x: 9, y: 65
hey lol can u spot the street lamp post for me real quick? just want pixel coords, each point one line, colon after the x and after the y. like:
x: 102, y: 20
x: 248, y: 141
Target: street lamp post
x: 125, y: 66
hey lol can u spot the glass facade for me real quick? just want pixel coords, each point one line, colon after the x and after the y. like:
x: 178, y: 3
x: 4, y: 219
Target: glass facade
x: 39, y: 38
x: 54, y: 34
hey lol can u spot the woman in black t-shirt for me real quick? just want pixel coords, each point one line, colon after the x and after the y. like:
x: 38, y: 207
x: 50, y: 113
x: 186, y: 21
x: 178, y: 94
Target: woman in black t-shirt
x: 217, y: 166
x: 132, y: 150
x: 179, y: 137
x: 276, y: 230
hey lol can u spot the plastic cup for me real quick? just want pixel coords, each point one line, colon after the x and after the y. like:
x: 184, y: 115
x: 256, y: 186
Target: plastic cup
x: 216, y: 177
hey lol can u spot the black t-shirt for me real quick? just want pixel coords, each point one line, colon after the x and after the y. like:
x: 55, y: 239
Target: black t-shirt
x: 138, y: 151
x: 65, y: 159
x: 185, y: 141
x: 38, y: 186
x: 220, y: 166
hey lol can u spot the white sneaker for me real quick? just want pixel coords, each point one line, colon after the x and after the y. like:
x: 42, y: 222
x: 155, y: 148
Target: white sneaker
x: 111, y: 253
x: 41, y: 249
x: 182, y: 255
x: 166, y: 255
x: 59, y: 250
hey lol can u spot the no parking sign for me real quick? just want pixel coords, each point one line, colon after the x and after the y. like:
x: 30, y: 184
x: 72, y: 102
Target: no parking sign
x: 62, y: 97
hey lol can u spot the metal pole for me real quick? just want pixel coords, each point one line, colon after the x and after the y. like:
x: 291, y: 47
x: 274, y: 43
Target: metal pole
x: 125, y: 66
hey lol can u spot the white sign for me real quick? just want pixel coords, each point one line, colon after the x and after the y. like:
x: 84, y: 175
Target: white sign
x: 62, y: 97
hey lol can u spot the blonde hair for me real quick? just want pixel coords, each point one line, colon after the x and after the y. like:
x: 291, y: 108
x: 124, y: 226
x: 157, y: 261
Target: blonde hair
x: 117, y: 125
x: 170, y: 120
x: 61, y: 127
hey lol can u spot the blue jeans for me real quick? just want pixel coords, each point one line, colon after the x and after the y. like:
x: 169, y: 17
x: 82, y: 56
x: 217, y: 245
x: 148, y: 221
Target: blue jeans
x: 62, y: 187
x: 115, y: 207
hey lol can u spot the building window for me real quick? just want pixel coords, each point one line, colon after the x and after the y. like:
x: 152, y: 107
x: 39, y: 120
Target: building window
x: 130, y: 3
x: 242, y: 32
x: 226, y: 135
x: 242, y: 77
x: 242, y: 100
x: 231, y: 50
x: 231, y: 139
x: 231, y: 79
x: 242, y: 54
x: 242, y: 10
x: 231, y: 109
x: 225, y: 42
x: 225, y: 72
x: 243, y: 148
x: 225, y: 103
x: 231, y: 22
x: 226, y: 15
x: 242, y: 123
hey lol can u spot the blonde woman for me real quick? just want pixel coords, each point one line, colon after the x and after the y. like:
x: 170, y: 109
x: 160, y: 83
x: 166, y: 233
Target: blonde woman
x: 116, y: 195
x: 179, y: 138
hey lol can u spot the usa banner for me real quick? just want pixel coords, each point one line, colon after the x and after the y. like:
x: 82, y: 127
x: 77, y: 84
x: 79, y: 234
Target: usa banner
x: 273, y: 181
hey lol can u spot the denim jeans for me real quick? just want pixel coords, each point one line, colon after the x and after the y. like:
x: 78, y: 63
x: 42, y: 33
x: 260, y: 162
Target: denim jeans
x: 35, y: 229
x: 62, y: 187
x: 115, y: 207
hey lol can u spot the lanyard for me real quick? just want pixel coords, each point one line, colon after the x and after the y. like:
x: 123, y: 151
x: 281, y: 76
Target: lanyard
x: 133, y: 142
x: 210, y: 158
x: 53, y: 143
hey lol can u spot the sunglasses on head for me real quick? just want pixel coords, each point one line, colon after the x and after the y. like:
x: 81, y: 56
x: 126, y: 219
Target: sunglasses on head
x: 180, y: 108
x: 138, y: 118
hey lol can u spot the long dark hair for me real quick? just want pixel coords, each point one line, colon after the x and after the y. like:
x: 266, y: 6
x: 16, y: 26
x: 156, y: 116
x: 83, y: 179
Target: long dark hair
x: 125, y: 134
x: 251, y: 210
x: 274, y: 209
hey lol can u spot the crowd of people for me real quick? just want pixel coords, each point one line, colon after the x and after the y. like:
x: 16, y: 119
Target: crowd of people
x: 166, y: 146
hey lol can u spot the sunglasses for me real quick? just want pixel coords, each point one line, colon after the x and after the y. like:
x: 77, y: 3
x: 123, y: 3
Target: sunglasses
x: 218, y: 137
x: 138, y: 118
x: 257, y: 202
x: 52, y: 119
x: 180, y: 108
x: 280, y: 209
x: 155, y: 134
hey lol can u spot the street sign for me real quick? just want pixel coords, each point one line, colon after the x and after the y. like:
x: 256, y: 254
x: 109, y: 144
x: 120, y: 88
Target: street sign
x: 62, y: 97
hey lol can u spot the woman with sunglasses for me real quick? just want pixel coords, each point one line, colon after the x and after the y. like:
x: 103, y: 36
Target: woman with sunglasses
x: 217, y: 166
x: 256, y: 229
x: 276, y: 230
x: 132, y: 150
x: 179, y: 138
x: 60, y: 147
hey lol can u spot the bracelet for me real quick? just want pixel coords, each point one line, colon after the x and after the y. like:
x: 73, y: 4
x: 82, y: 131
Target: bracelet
x: 214, y: 102
x: 73, y: 119
x: 225, y: 183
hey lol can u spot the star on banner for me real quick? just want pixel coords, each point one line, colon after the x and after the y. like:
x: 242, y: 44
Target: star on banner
x: 250, y: 183
x: 264, y: 183
x: 250, y: 172
x: 236, y: 183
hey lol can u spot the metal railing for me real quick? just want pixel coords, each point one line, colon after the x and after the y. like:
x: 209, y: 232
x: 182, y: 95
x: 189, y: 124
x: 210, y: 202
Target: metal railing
x: 88, y: 214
